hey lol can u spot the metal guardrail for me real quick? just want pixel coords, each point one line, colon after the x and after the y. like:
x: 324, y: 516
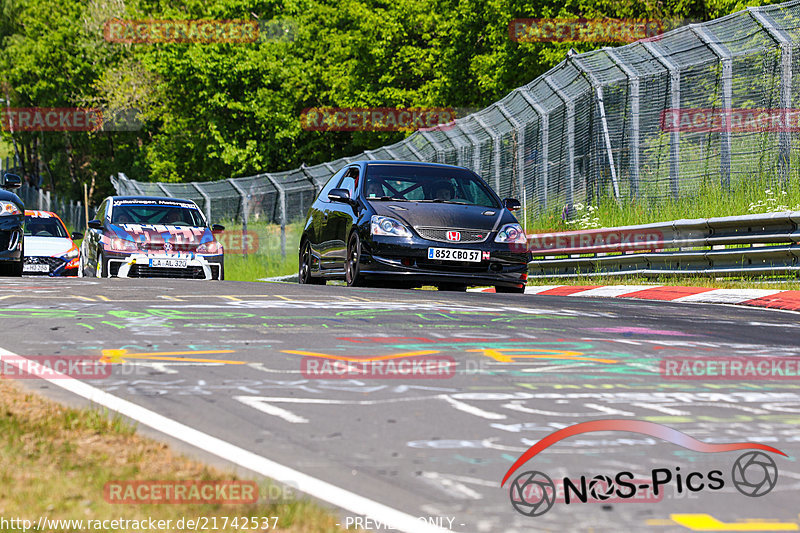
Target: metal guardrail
x: 750, y: 245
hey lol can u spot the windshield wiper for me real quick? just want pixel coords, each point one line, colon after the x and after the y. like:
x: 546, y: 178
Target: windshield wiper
x: 440, y: 201
x: 387, y: 199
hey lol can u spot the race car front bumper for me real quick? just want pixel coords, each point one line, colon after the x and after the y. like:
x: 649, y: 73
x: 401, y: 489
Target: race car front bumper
x: 180, y: 265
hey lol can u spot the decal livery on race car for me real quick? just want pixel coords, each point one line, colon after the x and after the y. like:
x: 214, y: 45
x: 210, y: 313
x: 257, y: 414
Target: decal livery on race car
x: 146, y: 237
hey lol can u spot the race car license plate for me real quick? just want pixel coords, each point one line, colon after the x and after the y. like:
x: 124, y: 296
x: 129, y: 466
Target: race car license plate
x: 168, y: 263
x: 454, y: 254
x: 36, y: 268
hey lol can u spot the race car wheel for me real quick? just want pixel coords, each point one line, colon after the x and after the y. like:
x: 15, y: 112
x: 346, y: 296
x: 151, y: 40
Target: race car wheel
x: 352, y: 266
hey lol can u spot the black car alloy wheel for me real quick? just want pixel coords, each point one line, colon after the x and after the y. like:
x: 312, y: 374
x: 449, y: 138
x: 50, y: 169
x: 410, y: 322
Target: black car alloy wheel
x: 352, y: 268
x: 305, y: 266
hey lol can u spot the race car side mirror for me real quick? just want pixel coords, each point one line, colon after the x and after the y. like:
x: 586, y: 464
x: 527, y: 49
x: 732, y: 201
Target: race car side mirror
x: 76, y: 235
x: 95, y: 224
x: 217, y: 227
x: 511, y: 204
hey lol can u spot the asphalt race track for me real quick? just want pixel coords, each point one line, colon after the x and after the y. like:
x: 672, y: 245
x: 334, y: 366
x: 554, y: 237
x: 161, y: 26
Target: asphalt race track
x: 231, y: 360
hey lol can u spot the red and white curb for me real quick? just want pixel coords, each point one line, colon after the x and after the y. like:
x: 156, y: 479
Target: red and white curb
x: 773, y: 299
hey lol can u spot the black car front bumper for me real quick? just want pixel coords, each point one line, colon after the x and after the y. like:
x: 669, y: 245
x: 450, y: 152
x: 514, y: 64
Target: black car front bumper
x: 406, y: 260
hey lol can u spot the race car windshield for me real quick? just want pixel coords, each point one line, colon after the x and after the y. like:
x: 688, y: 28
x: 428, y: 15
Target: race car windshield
x: 426, y: 184
x: 44, y: 227
x: 156, y: 214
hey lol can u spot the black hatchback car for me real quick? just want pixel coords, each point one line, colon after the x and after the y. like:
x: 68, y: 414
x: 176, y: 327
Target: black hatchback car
x: 408, y: 224
x: 12, y: 218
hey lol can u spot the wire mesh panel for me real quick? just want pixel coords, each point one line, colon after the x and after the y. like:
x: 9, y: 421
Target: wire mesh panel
x: 641, y: 120
x: 225, y: 200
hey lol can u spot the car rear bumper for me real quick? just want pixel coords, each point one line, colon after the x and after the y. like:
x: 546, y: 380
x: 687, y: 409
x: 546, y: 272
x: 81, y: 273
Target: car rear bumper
x: 209, y: 267
x: 500, y: 263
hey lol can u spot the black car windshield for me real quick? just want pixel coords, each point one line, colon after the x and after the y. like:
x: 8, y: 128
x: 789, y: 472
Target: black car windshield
x: 44, y: 227
x: 426, y: 184
x: 156, y: 215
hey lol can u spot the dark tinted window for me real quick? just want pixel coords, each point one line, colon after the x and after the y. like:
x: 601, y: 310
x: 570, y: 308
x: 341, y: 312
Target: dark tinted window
x: 44, y: 227
x: 428, y: 184
x: 332, y: 183
x: 350, y: 182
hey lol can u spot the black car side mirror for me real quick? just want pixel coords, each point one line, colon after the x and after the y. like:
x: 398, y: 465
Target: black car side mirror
x: 95, y: 224
x: 217, y: 227
x: 10, y: 181
x: 511, y: 204
x: 76, y: 235
x: 340, y: 195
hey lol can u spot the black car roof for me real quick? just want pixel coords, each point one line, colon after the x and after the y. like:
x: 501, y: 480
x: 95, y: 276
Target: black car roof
x: 408, y: 163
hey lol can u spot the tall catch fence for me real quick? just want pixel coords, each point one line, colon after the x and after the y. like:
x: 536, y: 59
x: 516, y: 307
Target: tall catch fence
x: 72, y: 213
x: 628, y: 122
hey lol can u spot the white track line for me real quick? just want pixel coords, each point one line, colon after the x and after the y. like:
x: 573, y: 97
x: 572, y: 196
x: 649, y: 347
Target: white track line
x: 310, y: 485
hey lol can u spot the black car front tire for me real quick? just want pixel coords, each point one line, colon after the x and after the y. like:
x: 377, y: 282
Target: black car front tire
x: 304, y: 273
x: 352, y: 263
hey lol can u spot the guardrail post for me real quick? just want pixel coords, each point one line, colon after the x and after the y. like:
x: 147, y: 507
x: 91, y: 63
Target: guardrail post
x: 724, y: 55
x: 207, y: 199
x: 282, y: 200
x: 675, y: 94
x: 633, y: 83
x: 570, y: 137
x: 598, y: 88
x: 780, y: 36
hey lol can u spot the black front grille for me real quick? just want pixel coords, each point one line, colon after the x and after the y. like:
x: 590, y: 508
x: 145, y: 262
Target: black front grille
x: 440, y: 234
x: 452, y: 266
x: 143, y: 271
x: 52, y: 262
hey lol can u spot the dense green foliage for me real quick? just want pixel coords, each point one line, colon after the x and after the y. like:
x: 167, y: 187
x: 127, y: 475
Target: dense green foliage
x: 211, y: 111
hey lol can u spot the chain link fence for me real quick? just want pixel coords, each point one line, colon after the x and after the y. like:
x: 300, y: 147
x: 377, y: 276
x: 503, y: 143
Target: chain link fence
x: 72, y: 213
x: 592, y: 126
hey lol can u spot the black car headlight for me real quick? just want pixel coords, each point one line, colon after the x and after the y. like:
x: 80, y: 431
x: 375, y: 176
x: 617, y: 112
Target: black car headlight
x: 511, y: 233
x: 9, y: 208
x: 388, y: 226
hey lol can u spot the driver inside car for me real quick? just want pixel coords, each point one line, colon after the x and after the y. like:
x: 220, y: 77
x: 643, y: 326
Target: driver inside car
x: 443, y: 191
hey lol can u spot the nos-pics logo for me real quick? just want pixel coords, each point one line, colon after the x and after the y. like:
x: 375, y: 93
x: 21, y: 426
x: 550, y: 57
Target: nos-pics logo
x: 533, y: 493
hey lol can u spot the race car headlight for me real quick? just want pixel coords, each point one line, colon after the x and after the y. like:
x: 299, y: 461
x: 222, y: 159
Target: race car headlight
x: 511, y: 233
x: 9, y: 208
x: 73, y: 253
x: 210, y: 247
x: 122, y: 245
x: 388, y: 226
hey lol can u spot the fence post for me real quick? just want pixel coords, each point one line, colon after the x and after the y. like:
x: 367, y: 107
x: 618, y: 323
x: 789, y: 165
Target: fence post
x: 207, y: 199
x: 282, y: 197
x: 411, y: 147
x: 520, y: 129
x: 436, y: 146
x: 780, y: 36
x: 245, y: 212
x: 496, y: 144
x: 598, y: 88
x: 163, y: 189
x: 633, y: 82
x: 724, y: 54
x: 570, y: 137
x: 545, y: 156
x: 476, y: 159
x: 41, y: 199
x: 675, y: 94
